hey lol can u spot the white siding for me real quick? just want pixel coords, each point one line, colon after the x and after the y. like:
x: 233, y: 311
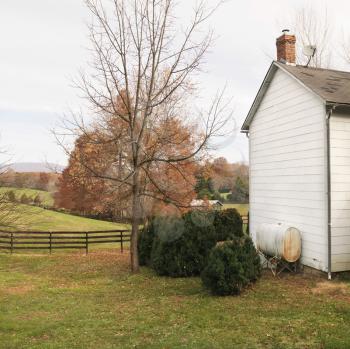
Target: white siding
x: 288, y: 165
x: 340, y: 176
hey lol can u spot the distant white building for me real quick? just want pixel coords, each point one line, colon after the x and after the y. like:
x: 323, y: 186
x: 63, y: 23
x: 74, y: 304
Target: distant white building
x: 202, y: 204
x: 299, y: 139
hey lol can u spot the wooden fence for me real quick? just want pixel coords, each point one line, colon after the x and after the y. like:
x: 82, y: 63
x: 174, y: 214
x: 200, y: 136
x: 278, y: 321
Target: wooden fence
x: 35, y: 240
x: 52, y: 240
x: 245, y: 220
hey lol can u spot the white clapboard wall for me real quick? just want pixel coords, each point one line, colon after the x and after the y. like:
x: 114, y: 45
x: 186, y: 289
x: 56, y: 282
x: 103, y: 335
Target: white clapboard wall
x: 288, y: 173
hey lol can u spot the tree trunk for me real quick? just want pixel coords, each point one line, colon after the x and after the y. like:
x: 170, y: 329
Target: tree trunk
x: 135, y: 221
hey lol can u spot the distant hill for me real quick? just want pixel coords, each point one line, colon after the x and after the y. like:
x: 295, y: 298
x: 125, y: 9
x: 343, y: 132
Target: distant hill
x: 36, y: 167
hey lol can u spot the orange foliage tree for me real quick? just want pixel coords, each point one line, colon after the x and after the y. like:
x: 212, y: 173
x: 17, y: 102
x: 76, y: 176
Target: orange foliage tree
x: 139, y: 55
x: 85, y: 188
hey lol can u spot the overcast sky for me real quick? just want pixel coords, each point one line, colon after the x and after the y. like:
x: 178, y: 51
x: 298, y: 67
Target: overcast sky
x: 43, y: 44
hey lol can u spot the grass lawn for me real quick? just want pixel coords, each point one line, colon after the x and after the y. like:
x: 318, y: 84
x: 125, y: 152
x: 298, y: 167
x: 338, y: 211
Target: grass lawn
x: 241, y: 208
x: 36, y: 218
x: 46, y: 197
x: 77, y: 301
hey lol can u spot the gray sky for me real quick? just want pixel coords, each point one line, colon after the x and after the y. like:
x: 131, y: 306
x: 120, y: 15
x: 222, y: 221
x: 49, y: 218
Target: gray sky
x: 43, y: 44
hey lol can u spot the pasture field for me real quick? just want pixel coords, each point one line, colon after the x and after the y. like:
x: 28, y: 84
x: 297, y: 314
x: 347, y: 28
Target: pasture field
x: 31, y: 218
x: 39, y: 219
x: 46, y: 197
x: 93, y: 302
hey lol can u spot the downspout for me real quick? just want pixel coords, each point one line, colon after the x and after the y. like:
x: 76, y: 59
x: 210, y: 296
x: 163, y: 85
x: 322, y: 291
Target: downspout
x: 329, y: 192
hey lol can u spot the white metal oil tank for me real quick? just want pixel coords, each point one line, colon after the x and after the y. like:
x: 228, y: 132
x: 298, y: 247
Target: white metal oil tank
x: 279, y: 240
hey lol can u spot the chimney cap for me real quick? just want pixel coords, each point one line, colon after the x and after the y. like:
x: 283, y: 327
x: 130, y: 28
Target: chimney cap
x: 286, y: 48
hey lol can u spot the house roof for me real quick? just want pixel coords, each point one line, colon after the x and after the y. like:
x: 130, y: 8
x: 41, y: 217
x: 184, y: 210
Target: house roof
x: 332, y: 86
x: 202, y: 203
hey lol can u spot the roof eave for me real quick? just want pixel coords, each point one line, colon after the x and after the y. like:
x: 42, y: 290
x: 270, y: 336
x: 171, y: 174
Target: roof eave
x: 341, y: 107
x: 263, y: 88
x: 260, y: 95
x: 332, y: 103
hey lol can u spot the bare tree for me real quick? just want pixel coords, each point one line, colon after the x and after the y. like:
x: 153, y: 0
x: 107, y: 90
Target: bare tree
x: 313, y: 28
x: 144, y: 62
x: 345, y: 48
x: 10, y: 217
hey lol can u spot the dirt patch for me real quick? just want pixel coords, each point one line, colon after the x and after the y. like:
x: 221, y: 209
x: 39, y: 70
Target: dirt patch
x: 177, y: 299
x: 35, y: 315
x: 19, y: 290
x: 78, y: 267
x: 333, y: 289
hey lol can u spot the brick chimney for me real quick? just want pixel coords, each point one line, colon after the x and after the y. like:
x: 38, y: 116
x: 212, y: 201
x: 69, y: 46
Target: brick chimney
x: 286, y: 48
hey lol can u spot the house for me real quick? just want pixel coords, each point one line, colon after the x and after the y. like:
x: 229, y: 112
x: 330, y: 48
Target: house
x: 299, y: 150
x: 203, y: 204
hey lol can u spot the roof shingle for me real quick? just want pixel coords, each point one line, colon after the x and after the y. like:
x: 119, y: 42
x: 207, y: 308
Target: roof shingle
x: 331, y: 85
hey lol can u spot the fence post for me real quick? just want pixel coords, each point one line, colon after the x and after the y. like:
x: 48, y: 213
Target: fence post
x: 50, y: 242
x: 121, y: 242
x: 11, y: 243
x: 86, y: 243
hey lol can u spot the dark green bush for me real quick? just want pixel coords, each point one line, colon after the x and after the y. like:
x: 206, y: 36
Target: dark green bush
x: 145, y: 242
x: 228, y: 224
x: 166, y: 227
x: 11, y: 196
x: 37, y: 200
x: 25, y: 199
x: 182, y: 245
x: 231, y: 267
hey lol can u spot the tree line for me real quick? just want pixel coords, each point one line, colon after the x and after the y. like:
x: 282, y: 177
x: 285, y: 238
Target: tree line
x: 33, y: 180
x: 220, y: 180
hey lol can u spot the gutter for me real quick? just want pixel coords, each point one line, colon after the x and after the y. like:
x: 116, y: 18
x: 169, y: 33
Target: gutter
x: 329, y: 191
x: 329, y: 200
x: 331, y: 107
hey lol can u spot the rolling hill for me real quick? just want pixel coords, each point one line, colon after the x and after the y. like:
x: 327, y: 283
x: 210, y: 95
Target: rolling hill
x: 35, y: 167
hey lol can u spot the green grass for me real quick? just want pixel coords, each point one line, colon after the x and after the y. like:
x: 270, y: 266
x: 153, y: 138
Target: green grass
x: 45, y: 196
x: 36, y: 218
x: 225, y: 195
x: 76, y: 301
x: 241, y: 208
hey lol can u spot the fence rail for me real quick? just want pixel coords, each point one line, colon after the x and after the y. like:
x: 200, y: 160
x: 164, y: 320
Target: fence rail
x: 52, y: 240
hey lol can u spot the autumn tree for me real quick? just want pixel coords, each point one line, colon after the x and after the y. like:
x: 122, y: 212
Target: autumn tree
x: 218, y: 176
x: 222, y: 174
x: 143, y: 57
x: 44, y: 180
x: 34, y: 180
x: 80, y: 190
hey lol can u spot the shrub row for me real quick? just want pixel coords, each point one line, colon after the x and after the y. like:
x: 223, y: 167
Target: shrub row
x: 177, y: 246
x: 181, y: 247
x: 187, y: 246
